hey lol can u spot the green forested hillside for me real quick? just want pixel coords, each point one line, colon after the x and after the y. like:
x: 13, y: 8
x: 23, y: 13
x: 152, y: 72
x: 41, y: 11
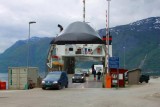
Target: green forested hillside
x: 141, y: 40
x: 16, y: 55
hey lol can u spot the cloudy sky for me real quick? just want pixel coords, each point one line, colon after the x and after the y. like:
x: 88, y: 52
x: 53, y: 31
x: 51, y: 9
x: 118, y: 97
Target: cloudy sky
x: 16, y: 14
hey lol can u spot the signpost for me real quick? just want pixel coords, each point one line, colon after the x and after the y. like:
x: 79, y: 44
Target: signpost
x: 113, y: 62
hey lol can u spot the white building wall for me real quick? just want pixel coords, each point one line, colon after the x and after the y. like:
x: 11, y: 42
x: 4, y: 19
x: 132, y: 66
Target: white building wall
x: 70, y: 49
x: 64, y: 49
x: 19, y: 77
x: 60, y: 50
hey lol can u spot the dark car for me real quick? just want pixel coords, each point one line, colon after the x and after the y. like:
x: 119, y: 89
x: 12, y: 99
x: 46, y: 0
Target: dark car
x: 144, y: 78
x: 55, y: 79
x: 86, y: 73
x: 126, y: 76
x: 78, y: 77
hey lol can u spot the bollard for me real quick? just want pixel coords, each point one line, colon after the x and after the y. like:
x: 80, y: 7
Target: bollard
x: 108, y: 81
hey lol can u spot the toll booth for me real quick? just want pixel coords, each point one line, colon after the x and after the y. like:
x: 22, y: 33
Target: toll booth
x: 114, y: 77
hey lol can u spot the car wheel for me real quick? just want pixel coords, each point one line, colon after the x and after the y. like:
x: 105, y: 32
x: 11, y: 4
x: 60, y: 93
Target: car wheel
x: 83, y: 81
x: 147, y: 81
x: 43, y: 88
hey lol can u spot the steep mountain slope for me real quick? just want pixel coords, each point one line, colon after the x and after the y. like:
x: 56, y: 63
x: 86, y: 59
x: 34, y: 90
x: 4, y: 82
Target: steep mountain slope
x: 140, y: 39
x: 16, y: 55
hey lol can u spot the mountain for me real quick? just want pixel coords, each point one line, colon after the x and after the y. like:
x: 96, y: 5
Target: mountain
x: 17, y: 54
x: 141, y: 40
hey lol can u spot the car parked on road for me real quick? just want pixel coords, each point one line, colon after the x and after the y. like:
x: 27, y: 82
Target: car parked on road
x: 78, y: 77
x: 55, y: 79
x: 144, y: 78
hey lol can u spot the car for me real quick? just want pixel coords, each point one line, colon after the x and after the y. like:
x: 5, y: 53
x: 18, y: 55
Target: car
x: 86, y: 73
x: 144, y: 78
x: 126, y: 76
x: 78, y: 77
x: 55, y: 79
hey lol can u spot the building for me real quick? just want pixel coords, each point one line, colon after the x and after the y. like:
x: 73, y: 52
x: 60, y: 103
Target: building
x: 22, y: 77
x: 133, y: 76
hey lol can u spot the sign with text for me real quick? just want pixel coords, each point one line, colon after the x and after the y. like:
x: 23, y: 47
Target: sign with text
x: 113, y: 62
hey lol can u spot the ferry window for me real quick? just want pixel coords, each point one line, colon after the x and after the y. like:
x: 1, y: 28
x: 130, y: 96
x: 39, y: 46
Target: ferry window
x: 89, y: 50
x: 70, y: 49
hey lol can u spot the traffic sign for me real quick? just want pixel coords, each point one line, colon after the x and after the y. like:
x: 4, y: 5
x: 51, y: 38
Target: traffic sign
x: 113, y: 62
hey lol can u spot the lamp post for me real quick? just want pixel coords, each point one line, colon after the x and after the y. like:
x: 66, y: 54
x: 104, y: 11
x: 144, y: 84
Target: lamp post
x: 124, y: 52
x: 32, y: 22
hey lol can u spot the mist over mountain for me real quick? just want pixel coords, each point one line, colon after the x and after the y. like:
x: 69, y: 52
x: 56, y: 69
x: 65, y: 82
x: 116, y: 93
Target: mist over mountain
x: 136, y: 44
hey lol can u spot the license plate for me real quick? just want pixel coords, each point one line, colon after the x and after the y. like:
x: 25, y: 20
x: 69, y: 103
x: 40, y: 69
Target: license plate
x: 77, y: 80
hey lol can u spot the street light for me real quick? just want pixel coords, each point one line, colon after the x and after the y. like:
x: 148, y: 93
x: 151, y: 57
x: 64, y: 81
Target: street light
x: 32, y: 22
x: 124, y: 52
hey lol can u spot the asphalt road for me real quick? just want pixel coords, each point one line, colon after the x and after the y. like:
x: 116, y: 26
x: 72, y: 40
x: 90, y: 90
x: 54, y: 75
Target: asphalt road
x: 142, y: 95
x: 90, y: 83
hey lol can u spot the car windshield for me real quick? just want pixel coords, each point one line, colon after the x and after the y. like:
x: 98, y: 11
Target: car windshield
x: 53, y: 76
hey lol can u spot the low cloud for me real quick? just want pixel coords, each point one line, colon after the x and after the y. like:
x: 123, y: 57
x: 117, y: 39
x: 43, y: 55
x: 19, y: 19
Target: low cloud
x: 16, y: 14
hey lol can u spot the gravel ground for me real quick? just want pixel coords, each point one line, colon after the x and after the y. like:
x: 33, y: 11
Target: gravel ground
x: 142, y: 95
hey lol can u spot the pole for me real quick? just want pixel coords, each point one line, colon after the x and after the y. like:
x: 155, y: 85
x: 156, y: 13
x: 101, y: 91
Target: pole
x: 117, y: 77
x: 108, y: 29
x: 124, y: 56
x: 107, y: 38
x: 28, y: 46
x: 106, y: 57
x: 118, y: 74
x: 84, y: 10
